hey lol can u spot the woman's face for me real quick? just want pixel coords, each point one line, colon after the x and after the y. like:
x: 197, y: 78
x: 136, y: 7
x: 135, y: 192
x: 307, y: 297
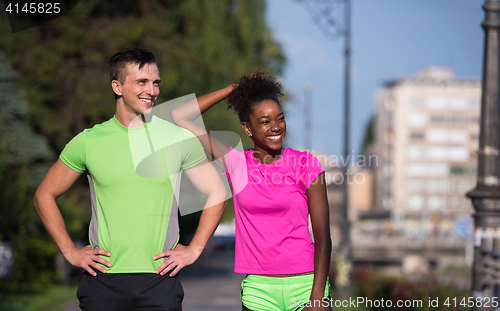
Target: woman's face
x: 267, y: 125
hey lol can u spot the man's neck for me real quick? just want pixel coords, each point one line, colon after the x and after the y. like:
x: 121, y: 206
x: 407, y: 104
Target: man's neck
x: 128, y: 118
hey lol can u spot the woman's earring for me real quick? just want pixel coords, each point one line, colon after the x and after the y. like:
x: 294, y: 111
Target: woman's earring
x: 250, y: 135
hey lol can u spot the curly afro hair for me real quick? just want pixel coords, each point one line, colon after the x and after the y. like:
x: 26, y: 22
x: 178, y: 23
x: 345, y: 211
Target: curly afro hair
x: 251, y: 90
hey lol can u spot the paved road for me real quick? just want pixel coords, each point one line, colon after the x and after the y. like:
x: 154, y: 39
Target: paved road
x: 209, y: 285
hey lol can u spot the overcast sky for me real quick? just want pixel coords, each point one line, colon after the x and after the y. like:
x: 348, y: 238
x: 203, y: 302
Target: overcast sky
x: 390, y: 39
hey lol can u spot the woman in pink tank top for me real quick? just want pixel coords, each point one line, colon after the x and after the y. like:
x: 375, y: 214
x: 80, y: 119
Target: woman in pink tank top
x: 276, y: 190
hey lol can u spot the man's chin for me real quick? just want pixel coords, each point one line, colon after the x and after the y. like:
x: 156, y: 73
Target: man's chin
x: 142, y: 117
x: 148, y: 111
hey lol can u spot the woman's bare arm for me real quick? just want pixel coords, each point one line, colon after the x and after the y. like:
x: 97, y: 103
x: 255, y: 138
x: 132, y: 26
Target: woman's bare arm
x: 186, y: 115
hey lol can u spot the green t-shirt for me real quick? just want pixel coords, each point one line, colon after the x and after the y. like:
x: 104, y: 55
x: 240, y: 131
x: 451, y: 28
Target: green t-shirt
x: 133, y: 177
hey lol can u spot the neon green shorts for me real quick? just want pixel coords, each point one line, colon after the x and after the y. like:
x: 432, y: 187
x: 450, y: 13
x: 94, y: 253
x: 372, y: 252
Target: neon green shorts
x: 263, y: 293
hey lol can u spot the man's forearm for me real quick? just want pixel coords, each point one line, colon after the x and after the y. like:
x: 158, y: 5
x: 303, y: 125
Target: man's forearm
x: 209, y: 220
x: 182, y: 256
x: 53, y: 222
x: 206, y: 179
x: 86, y: 257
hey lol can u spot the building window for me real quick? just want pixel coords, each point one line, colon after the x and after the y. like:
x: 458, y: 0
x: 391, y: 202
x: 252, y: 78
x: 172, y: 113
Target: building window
x: 475, y: 103
x: 416, y: 202
x: 416, y: 185
x: 435, y: 203
x: 416, y: 169
x: 461, y: 186
x: 437, y: 186
x: 437, y: 119
x: 455, y: 187
x: 417, y: 136
x: 415, y: 152
x: 474, y: 120
x: 459, y: 103
x: 455, y: 202
x: 436, y: 136
x: 458, y: 119
x: 438, y: 169
x: 417, y: 119
x: 445, y: 136
x: 420, y: 169
x: 458, y: 154
x: 437, y: 153
x: 437, y: 103
x: 458, y: 136
x: 457, y: 170
x: 417, y: 102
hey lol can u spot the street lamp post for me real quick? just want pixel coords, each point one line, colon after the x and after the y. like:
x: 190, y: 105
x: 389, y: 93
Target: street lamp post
x: 344, y: 258
x: 330, y: 26
x: 486, y: 195
x: 307, y: 117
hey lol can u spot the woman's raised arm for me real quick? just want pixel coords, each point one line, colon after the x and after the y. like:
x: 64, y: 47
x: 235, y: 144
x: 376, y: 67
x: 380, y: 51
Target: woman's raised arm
x: 186, y: 115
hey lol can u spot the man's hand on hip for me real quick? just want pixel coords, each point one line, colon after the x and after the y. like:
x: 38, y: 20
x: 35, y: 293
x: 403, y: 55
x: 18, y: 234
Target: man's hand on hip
x: 178, y: 258
x: 88, y: 258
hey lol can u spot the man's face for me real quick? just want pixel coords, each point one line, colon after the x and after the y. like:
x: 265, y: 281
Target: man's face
x: 141, y: 87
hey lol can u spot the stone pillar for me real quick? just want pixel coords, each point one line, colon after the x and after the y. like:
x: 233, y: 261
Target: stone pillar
x: 486, y: 196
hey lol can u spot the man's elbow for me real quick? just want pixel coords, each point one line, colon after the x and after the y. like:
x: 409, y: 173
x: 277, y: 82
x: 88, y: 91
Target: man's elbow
x: 218, y: 196
x: 40, y: 197
x: 174, y: 115
x: 36, y: 200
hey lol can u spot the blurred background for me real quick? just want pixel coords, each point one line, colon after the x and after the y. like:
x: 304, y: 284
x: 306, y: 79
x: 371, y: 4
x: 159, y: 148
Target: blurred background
x: 415, y: 109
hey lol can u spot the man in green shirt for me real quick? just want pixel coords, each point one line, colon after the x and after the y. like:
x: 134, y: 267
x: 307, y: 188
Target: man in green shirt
x: 133, y: 257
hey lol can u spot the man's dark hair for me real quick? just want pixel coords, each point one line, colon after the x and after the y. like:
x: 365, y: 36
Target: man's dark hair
x: 135, y: 56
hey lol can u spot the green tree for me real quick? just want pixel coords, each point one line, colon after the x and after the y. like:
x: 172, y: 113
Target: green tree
x: 200, y: 45
x: 24, y: 159
x: 369, y: 137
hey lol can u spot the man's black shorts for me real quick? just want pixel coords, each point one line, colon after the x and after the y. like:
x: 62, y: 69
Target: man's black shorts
x: 130, y: 292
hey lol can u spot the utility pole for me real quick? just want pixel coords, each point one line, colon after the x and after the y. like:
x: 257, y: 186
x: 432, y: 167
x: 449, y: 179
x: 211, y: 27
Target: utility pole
x: 343, y: 280
x: 486, y: 195
x: 307, y: 117
x: 324, y: 14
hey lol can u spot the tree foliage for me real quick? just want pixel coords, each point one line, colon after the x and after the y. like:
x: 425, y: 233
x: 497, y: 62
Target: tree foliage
x: 24, y: 157
x: 369, y: 136
x: 200, y: 45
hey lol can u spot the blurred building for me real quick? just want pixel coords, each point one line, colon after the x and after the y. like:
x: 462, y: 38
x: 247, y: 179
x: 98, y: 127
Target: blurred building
x: 360, y: 187
x: 427, y: 136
